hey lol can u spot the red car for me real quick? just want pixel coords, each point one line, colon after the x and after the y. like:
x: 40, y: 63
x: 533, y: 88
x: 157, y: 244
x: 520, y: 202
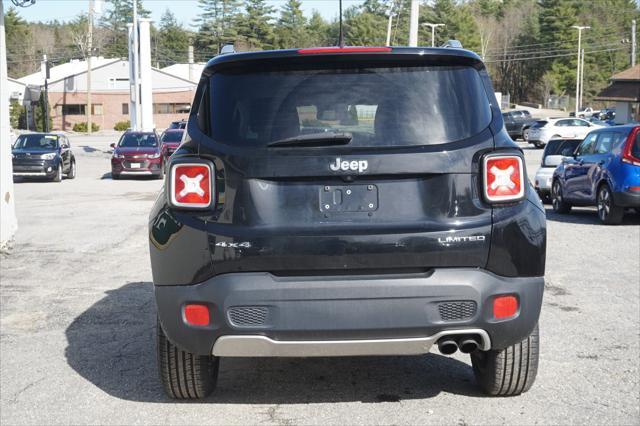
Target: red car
x: 137, y: 154
x: 170, y: 140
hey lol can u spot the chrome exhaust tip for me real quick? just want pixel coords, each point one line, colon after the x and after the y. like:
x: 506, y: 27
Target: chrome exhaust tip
x: 468, y: 345
x: 447, y: 346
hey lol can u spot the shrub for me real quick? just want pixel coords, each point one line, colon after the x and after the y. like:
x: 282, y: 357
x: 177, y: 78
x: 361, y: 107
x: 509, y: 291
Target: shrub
x: 122, y: 125
x: 82, y: 127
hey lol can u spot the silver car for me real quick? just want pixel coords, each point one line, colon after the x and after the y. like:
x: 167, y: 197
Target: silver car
x: 554, y: 152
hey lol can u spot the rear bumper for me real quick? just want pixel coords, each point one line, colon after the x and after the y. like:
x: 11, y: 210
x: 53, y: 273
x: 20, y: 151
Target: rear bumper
x: 259, y: 314
x: 627, y: 199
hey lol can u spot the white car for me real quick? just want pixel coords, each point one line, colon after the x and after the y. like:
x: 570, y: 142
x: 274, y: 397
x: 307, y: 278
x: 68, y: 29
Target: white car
x: 542, y: 131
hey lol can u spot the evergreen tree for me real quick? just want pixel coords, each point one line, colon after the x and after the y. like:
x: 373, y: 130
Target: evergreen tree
x: 290, y: 29
x: 366, y: 29
x: 217, y: 23
x: 39, y: 114
x: 172, y: 40
x: 115, y: 20
x: 318, y: 30
x: 18, y: 36
x: 254, y: 27
x: 459, y: 24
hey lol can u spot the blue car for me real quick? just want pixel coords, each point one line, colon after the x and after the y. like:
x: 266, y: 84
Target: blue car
x: 604, y: 171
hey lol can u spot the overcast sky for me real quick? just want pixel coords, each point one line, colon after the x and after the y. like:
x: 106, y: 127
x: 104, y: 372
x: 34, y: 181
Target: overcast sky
x: 185, y: 10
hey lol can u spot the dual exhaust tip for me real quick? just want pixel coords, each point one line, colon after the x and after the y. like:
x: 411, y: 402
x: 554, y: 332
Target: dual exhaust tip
x: 466, y: 344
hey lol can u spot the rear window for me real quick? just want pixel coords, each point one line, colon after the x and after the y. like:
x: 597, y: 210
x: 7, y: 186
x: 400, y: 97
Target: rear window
x: 539, y: 124
x: 635, y: 148
x: 171, y: 137
x: 377, y: 106
x: 564, y: 147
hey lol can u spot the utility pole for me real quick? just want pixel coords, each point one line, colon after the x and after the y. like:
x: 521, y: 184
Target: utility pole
x: 633, y: 43
x: 8, y: 220
x: 433, y: 31
x: 89, y: 67
x: 413, y: 23
x: 190, y: 60
x: 136, y: 64
x: 45, y: 71
x: 579, y: 28
x: 389, y: 24
x: 581, y: 76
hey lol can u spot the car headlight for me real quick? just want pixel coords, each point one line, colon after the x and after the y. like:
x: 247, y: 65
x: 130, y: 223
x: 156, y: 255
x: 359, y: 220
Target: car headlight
x: 116, y: 155
x: 49, y: 156
x: 156, y: 155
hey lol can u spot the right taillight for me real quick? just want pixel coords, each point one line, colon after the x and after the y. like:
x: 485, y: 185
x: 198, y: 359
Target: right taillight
x: 191, y: 185
x: 504, y: 179
x: 627, y: 152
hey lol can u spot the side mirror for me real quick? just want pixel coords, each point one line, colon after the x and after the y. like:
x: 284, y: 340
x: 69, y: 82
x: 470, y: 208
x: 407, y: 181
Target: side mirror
x: 112, y: 145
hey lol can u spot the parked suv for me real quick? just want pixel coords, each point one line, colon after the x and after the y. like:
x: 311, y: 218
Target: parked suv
x: 170, y: 140
x: 552, y: 156
x: 604, y: 171
x: 45, y: 155
x: 137, y: 154
x: 342, y: 202
x: 518, y: 123
x: 555, y: 128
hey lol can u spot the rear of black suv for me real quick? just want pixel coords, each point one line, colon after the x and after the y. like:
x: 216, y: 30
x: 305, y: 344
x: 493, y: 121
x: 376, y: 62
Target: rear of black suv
x: 347, y: 201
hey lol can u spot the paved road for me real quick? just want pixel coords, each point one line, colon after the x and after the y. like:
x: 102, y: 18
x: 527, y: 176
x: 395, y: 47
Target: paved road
x: 77, y: 330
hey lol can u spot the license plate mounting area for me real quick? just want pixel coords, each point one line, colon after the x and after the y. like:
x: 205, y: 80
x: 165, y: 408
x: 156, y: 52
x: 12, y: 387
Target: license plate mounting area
x: 348, y: 198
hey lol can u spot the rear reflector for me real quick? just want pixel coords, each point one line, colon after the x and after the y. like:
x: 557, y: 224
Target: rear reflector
x: 191, y: 185
x: 320, y: 50
x: 196, y: 314
x: 634, y: 188
x: 503, y: 178
x: 505, y: 307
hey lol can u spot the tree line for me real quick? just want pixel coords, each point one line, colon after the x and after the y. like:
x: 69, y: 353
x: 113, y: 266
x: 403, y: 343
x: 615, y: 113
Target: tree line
x: 529, y: 46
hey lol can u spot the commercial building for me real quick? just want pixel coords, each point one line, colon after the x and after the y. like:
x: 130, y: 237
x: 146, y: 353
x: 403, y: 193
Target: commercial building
x: 624, y: 90
x: 172, y: 95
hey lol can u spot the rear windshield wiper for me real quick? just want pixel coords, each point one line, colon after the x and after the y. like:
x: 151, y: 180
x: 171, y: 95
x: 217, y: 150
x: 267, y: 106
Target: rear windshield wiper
x: 315, y: 139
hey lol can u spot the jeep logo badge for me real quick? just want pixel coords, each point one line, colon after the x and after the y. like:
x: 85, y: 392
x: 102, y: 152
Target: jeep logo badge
x: 354, y: 165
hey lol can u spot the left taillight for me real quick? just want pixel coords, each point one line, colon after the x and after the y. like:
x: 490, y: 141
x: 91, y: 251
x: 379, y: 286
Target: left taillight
x: 504, y: 179
x: 191, y: 185
x: 628, y: 154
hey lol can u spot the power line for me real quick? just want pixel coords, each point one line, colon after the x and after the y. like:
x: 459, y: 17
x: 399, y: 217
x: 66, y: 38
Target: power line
x: 554, y: 56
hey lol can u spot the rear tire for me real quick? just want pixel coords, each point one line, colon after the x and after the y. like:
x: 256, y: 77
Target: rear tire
x: 115, y: 176
x: 525, y: 135
x: 557, y: 199
x: 510, y: 371
x: 185, y: 375
x: 608, y: 212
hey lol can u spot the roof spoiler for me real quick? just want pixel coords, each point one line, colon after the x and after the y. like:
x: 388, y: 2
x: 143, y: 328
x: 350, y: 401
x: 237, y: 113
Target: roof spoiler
x: 453, y: 44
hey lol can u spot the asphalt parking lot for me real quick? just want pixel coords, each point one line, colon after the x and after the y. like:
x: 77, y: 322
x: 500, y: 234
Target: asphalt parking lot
x: 77, y: 326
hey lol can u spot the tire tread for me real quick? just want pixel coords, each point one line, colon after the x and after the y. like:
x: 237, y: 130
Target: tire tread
x: 183, y: 374
x: 510, y: 371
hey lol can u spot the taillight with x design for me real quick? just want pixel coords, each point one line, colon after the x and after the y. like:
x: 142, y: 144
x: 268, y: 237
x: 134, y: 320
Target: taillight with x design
x: 191, y: 185
x: 504, y: 179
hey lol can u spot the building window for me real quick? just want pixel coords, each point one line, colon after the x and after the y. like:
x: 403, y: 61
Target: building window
x: 73, y: 109
x: 79, y: 109
x: 125, y: 109
x: 171, y: 108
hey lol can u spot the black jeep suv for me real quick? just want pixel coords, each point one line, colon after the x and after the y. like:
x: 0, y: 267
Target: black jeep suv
x: 342, y: 202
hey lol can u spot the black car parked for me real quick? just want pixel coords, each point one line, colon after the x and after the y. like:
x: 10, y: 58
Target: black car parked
x: 46, y: 155
x: 518, y: 123
x: 343, y: 202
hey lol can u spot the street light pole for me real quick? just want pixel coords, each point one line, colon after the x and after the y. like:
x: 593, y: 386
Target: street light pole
x: 433, y: 31
x: 579, y: 28
x: 89, y: 67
